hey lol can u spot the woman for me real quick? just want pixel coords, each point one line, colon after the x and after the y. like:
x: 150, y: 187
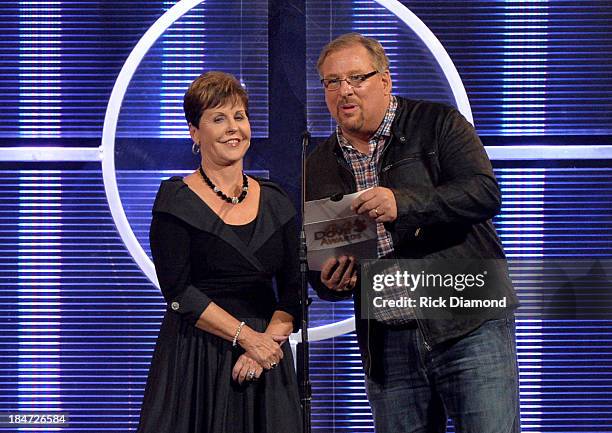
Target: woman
x: 218, y: 238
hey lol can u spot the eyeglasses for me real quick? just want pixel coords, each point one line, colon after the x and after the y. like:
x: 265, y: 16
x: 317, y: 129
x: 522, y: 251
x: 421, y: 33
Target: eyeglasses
x: 356, y: 80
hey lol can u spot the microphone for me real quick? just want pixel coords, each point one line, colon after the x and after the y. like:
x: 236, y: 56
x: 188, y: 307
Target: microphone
x: 305, y: 139
x: 304, y: 352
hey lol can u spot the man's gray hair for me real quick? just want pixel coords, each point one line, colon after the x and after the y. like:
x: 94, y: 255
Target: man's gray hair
x: 379, y: 58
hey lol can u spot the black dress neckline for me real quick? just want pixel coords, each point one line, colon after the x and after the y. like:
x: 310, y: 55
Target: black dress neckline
x: 275, y: 209
x: 254, y: 220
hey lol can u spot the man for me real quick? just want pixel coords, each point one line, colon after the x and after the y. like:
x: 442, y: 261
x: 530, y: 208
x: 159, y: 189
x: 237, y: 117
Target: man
x: 433, y: 194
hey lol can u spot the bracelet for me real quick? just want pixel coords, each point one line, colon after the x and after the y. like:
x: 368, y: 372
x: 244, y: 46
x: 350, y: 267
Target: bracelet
x: 235, y: 340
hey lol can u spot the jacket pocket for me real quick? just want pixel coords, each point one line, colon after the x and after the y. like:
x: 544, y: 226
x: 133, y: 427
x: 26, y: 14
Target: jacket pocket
x: 414, y: 169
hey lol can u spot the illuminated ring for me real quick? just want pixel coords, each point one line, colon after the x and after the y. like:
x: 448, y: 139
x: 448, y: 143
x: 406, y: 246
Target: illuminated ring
x: 110, y: 128
x: 125, y: 76
x: 437, y: 50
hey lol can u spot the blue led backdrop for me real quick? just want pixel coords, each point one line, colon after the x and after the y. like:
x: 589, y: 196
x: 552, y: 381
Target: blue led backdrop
x: 79, y: 317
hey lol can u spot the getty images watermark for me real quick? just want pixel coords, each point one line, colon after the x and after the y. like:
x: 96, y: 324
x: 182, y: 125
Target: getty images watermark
x: 412, y: 282
x: 399, y: 290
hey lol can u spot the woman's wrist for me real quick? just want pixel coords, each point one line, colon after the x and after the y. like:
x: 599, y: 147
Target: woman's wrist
x: 281, y: 323
x: 280, y: 329
x: 245, y: 335
x: 237, y: 334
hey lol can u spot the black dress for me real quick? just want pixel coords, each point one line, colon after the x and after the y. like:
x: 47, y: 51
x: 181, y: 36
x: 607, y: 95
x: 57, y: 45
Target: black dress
x: 199, y: 259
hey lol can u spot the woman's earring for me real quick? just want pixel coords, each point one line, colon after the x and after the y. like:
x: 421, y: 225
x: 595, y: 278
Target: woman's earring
x: 195, y: 148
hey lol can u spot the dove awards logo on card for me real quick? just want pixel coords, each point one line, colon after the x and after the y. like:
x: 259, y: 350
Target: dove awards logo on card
x: 342, y: 233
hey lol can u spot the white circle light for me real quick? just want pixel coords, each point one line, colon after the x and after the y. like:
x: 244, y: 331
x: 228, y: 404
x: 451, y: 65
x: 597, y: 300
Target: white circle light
x: 110, y: 128
x: 126, y: 74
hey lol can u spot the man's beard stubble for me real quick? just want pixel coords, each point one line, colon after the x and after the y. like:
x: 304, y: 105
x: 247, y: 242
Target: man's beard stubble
x: 351, y: 124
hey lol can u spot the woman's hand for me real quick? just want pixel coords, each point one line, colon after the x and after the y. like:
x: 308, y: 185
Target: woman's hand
x: 281, y: 325
x: 246, y: 368
x: 262, y: 347
x: 276, y: 336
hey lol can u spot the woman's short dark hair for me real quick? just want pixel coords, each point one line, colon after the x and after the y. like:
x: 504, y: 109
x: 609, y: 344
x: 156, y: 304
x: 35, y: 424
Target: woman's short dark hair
x: 210, y: 90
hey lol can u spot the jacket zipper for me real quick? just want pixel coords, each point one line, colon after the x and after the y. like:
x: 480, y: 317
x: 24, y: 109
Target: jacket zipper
x: 425, y: 343
x: 380, y: 173
x: 344, y: 165
x: 382, y: 157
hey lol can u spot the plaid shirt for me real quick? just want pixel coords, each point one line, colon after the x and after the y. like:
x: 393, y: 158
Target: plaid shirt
x: 365, y: 167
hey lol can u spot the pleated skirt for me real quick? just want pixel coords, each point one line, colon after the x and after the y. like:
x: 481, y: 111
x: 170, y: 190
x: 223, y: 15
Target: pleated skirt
x: 190, y: 387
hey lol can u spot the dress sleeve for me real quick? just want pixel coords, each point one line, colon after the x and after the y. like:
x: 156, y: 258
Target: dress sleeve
x: 170, y: 245
x: 288, y: 278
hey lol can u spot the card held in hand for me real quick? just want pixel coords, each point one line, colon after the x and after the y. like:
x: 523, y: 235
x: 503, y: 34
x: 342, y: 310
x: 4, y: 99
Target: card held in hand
x: 334, y: 230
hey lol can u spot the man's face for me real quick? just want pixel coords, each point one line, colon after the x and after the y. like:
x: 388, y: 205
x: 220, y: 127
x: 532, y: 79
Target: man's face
x: 358, y: 110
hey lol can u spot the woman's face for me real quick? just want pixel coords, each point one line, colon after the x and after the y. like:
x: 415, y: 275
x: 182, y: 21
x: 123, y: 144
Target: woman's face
x: 224, y: 134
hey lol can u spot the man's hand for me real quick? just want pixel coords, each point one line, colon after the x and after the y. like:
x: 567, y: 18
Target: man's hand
x: 339, y: 274
x: 378, y: 203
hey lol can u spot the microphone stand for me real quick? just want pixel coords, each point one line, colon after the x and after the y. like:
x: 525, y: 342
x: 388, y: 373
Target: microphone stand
x: 304, y: 352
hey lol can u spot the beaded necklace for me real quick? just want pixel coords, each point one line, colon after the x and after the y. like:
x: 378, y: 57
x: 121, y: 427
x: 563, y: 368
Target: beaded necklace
x: 232, y: 200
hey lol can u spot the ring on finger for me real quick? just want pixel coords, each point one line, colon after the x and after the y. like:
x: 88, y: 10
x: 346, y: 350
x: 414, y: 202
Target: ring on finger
x: 273, y: 365
x: 251, y: 374
x: 376, y: 211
